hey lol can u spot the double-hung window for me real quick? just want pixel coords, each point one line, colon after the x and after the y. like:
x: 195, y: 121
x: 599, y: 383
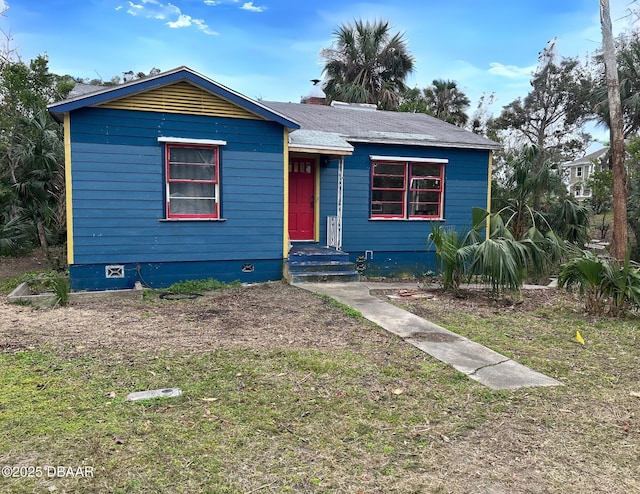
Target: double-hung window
x: 407, y: 188
x: 192, y: 179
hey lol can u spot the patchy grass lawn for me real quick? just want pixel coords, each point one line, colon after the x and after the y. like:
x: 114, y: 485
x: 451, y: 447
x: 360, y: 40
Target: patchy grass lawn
x: 284, y: 391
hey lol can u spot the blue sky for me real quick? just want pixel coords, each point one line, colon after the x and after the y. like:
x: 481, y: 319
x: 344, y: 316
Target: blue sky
x: 269, y: 49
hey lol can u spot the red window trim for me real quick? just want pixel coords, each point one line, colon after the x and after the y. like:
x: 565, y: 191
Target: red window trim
x: 403, y: 190
x: 406, y: 197
x: 439, y: 190
x: 216, y: 181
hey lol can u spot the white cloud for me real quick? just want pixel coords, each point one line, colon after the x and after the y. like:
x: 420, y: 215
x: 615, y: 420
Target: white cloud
x: 200, y: 24
x: 4, y: 6
x: 176, y: 19
x: 211, y: 3
x: 511, y: 71
x: 252, y: 8
x: 182, y: 21
x: 134, y: 9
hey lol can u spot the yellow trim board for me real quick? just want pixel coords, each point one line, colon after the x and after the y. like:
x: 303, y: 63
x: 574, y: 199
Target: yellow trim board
x: 67, y: 186
x: 316, y: 205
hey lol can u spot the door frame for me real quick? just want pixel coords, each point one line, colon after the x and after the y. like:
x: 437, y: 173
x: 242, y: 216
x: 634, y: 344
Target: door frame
x: 316, y: 198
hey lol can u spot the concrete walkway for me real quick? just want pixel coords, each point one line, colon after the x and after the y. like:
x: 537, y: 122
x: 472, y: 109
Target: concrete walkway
x: 476, y: 361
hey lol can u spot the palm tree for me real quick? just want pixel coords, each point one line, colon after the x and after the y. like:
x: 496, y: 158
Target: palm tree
x: 605, y: 283
x: 39, y: 183
x: 365, y: 64
x: 446, y: 102
x: 500, y: 259
x: 413, y: 101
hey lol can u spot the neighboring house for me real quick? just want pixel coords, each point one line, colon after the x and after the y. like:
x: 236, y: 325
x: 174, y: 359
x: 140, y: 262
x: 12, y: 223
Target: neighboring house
x: 176, y: 177
x: 577, y: 172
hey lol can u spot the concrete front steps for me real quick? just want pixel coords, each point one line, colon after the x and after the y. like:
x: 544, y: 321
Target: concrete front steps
x: 312, y: 263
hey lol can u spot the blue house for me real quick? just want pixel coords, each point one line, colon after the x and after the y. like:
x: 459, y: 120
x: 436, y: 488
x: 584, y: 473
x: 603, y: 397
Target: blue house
x: 177, y: 177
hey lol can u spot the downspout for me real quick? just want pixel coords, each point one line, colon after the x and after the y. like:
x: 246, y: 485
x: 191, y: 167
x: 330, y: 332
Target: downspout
x: 340, y: 195
x: 285, y: 208
x: 489, y: 180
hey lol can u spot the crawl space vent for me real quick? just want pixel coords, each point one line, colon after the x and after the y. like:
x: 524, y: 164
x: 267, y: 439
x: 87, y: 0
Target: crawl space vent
x: 114, y: 271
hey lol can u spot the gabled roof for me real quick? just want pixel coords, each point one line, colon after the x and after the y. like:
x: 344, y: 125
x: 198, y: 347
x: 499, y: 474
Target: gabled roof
x: 589, y: 158
x: 331, y: 128
x: 83, y: 99
x: 358, y: 124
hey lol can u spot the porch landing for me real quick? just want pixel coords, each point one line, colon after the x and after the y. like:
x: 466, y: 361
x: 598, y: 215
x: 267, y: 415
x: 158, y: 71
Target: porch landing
x: 313, y: 263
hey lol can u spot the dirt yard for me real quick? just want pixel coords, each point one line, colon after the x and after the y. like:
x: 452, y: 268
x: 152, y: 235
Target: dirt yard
x: 270, y: 315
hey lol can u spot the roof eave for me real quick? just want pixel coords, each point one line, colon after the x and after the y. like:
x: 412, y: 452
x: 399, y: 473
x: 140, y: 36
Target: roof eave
x: 176, y: 75
x: 430, y: 143
x: 312, y: 149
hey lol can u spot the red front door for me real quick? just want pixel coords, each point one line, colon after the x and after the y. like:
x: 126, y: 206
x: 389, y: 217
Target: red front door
x: 301, y: 198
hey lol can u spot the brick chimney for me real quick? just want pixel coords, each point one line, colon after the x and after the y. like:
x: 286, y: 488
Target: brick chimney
x: 316, y: 96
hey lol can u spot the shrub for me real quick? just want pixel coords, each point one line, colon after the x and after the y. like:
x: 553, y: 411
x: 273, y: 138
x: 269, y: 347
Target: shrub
x: 502, y: 260
x: 60, y: 287
x: 607, y: 287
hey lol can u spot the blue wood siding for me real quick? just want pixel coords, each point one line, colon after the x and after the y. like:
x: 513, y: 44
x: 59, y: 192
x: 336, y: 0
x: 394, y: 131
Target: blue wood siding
x: 401, y: 244
x: 160, y: 275
x: 118, y: 189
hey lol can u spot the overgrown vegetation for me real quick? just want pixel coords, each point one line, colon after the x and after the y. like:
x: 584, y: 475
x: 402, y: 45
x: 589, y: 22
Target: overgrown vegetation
x: 31, y: 157
x: 607, y: 286
x: 7, y: 285
x: 501, y: 259
x: 600, y: 183
x: 60, y: 287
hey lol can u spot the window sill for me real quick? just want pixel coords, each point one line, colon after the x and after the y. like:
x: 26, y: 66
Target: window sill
x: 180, y: 220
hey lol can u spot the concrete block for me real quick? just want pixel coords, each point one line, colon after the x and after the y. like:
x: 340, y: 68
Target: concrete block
x: 154, y: 393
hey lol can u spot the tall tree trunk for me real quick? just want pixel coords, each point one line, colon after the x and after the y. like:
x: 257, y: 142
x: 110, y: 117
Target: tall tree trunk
x: 619, y: 240
x: 44, y: 245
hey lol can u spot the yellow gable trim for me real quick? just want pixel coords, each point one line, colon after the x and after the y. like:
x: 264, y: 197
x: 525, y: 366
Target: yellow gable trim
x: 180, y: 97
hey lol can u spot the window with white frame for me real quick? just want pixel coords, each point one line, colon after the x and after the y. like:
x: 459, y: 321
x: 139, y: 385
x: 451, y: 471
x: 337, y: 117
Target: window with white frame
x: 578, y: 171
x: 407, y: 188
x: 192, y: 177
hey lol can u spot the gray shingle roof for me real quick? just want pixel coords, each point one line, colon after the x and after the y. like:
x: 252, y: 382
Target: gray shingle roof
x: 81, y: 89
x: 588, y: 159
x: 365, y: 125
x: 317, y: 139
x: 332, y: 124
